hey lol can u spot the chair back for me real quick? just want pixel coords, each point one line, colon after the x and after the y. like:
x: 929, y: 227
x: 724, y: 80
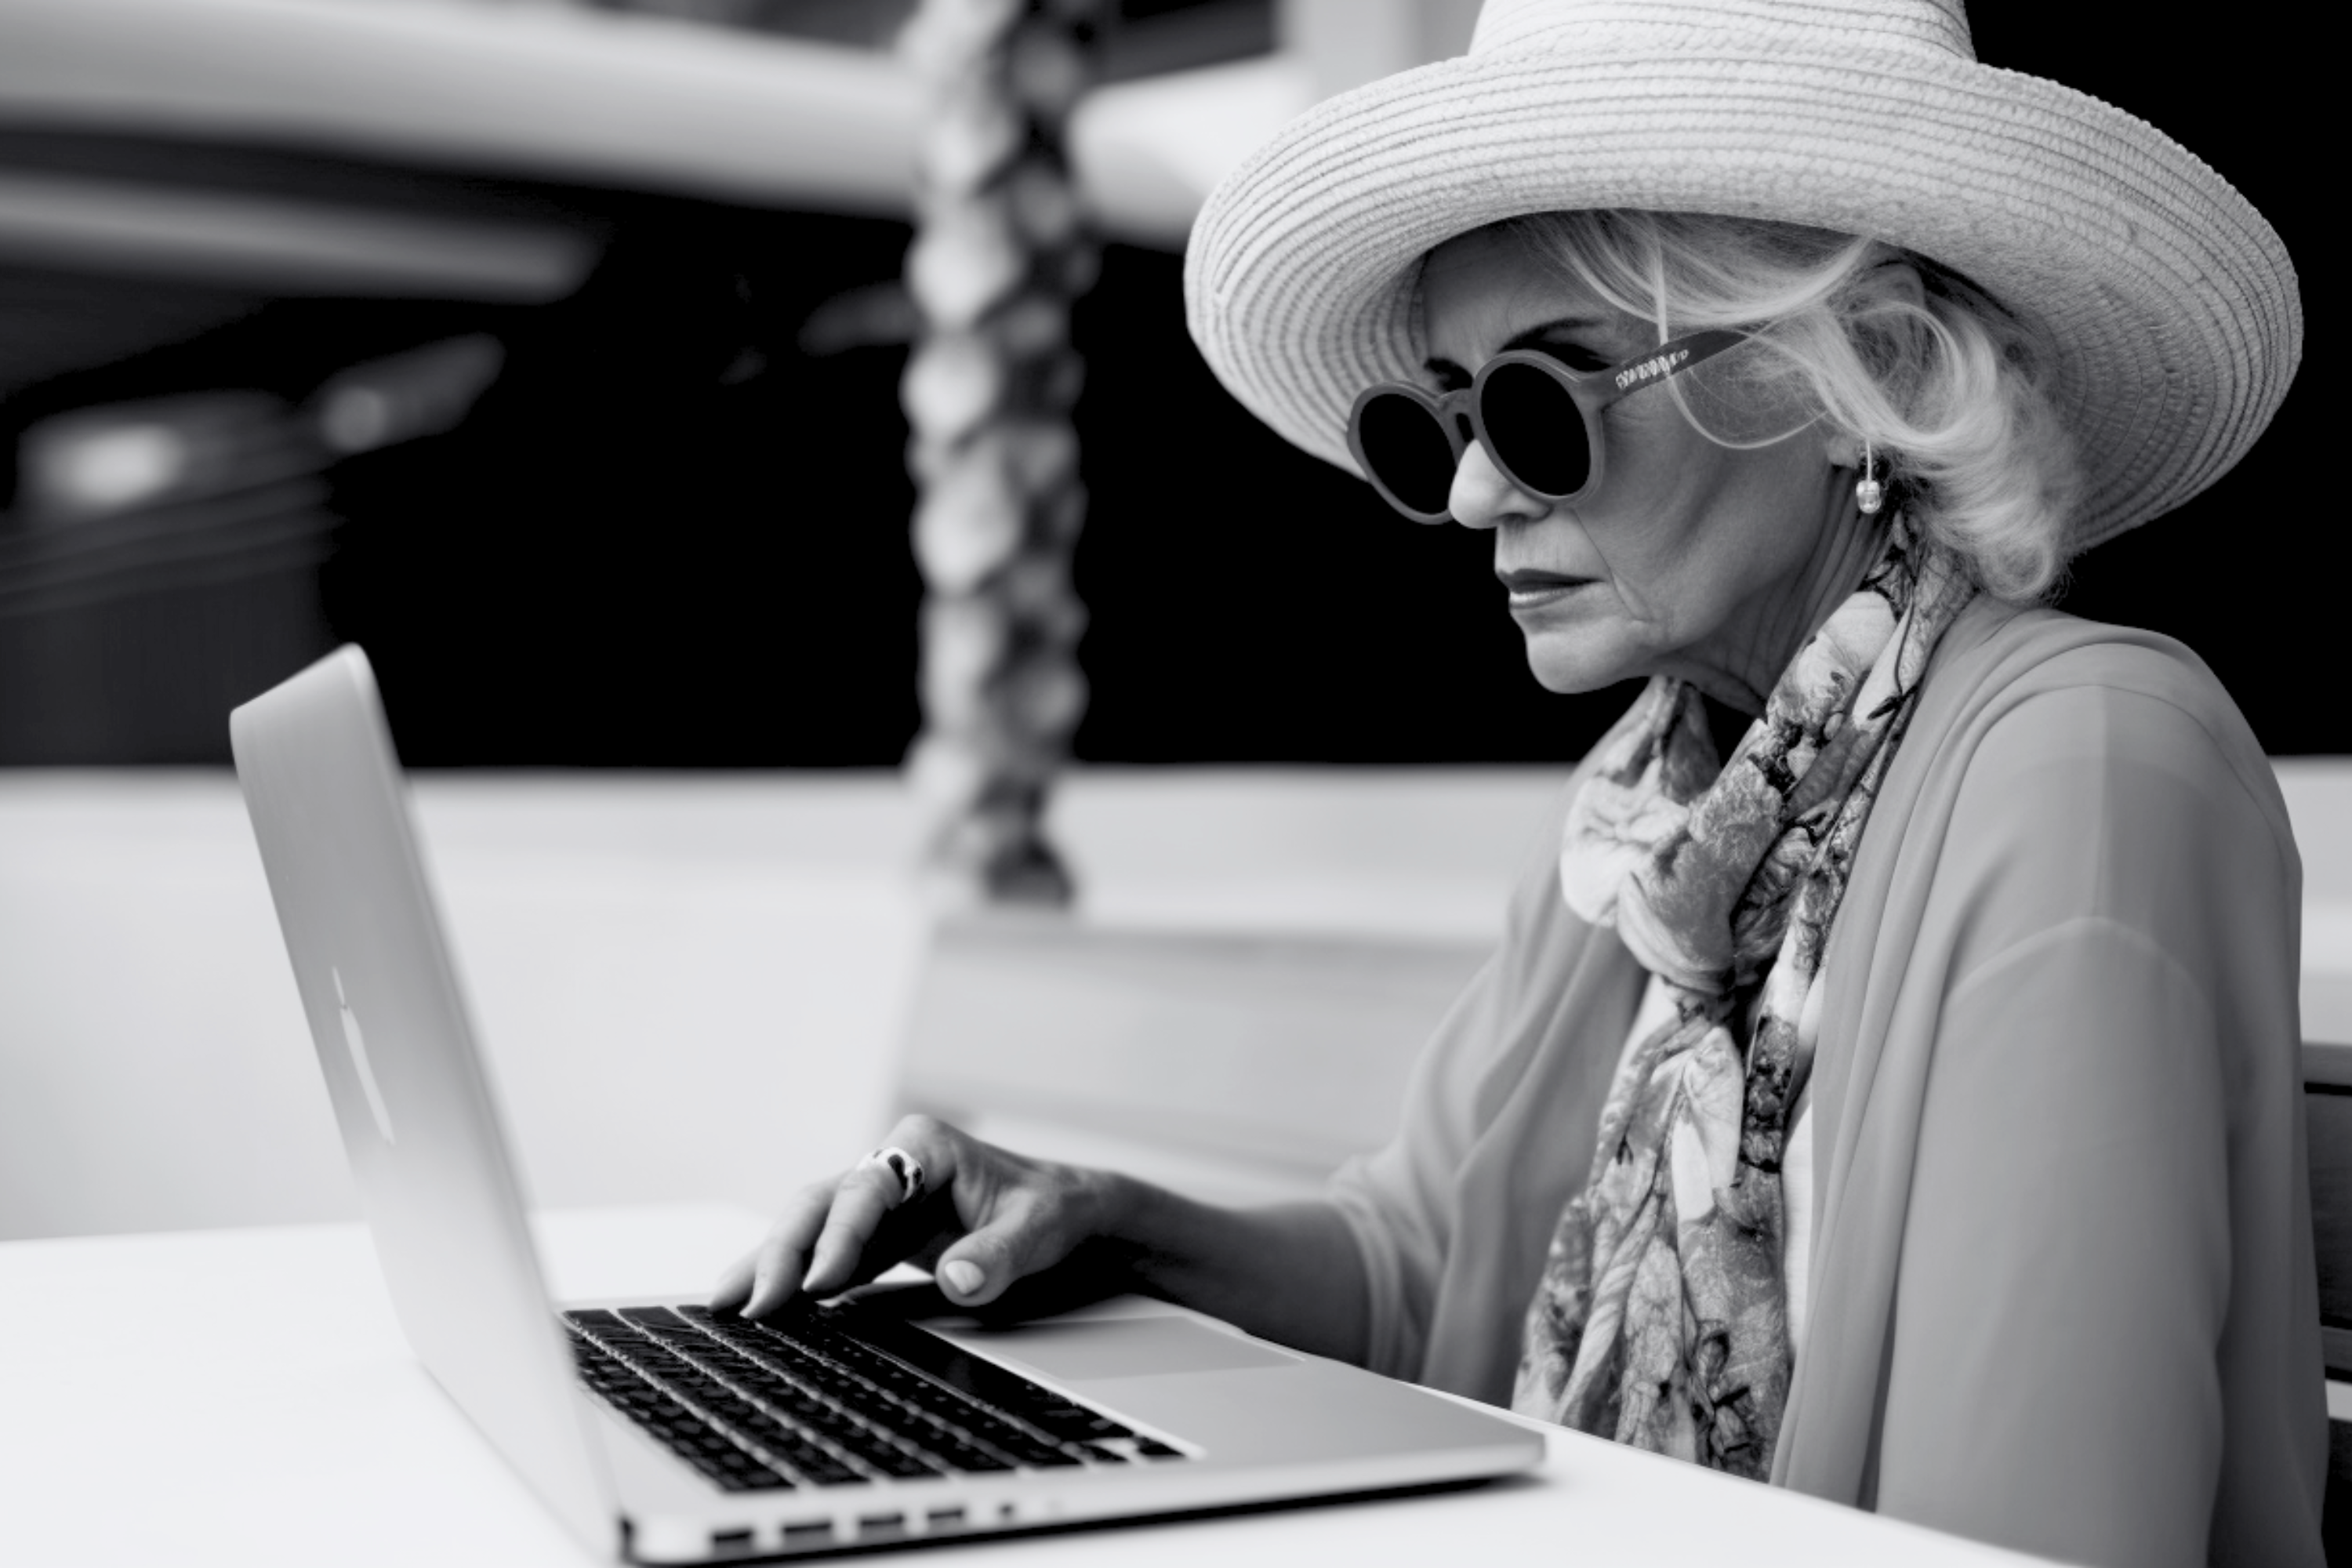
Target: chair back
x: 1236, y: 1067
x: 2327, y: 1118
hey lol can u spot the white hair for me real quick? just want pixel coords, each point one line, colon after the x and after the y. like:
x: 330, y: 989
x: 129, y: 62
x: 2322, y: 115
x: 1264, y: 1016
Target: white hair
x: 1945, y: 386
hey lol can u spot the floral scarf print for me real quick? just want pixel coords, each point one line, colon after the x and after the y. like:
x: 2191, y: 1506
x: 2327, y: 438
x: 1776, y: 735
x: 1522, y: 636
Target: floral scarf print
x: 1662, y: 1318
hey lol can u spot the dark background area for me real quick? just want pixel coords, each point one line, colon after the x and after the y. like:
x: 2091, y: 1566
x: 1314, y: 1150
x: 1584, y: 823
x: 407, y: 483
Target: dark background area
x: 669, y: 536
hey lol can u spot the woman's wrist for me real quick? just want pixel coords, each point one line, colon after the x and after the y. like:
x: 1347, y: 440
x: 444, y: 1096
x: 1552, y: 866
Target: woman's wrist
x: 1142, y: 1230
x: 1122, y: 1235
x: 1289, y: 1273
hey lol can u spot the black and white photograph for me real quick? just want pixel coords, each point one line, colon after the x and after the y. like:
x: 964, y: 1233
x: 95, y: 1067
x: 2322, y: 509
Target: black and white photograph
x: 1413, y: 784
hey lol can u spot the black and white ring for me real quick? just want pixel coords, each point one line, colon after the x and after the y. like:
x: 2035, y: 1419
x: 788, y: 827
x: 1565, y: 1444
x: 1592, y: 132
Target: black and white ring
x: 901, y: 1165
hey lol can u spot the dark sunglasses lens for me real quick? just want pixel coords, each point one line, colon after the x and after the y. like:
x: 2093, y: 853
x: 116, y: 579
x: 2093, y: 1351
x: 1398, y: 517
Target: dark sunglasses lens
x: 1537, y: 430
x: 1408, y: 451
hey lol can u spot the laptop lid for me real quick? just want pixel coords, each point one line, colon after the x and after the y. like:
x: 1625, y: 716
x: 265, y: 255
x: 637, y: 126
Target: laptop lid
x: 419, y: 1121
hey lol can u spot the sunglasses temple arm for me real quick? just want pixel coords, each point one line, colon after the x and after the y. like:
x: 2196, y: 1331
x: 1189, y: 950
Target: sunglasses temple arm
x: 1665, y: 361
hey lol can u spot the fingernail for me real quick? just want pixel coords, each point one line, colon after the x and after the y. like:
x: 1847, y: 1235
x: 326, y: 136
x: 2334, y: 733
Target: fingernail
x: 963, y: 1277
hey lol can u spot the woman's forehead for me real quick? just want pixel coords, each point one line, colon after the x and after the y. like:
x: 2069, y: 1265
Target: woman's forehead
x: 1481, y: 290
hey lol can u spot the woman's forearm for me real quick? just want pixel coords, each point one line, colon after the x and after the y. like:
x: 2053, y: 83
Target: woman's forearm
x: 1289, y: 1273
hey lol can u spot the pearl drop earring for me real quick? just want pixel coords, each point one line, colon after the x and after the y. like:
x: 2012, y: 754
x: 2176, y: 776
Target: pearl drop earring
x: 1868, y: 493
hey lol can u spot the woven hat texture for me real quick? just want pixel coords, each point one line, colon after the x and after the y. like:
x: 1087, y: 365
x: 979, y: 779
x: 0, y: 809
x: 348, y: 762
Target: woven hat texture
x: 2172, y: 302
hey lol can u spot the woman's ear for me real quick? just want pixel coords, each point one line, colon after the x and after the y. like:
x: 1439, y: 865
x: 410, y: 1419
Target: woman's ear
x: 1896, y: 281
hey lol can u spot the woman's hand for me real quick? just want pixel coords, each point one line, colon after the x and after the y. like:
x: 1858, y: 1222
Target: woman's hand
x: 986, y: 1218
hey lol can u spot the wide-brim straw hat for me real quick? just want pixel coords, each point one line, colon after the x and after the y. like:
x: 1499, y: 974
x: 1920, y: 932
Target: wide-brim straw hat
x: 2171, y: 303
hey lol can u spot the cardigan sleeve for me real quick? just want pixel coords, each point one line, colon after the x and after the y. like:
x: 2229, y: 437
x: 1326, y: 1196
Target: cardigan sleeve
x: 1398, y: 1201
x: 2103, y: 1209
x: 1405, y: 1203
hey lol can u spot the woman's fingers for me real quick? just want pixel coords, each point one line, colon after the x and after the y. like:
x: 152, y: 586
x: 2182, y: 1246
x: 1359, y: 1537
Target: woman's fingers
x: 864, y: 1198
x: 1023, y: 1218
x: 760, y: 1283
x: 734, y: 1287
x: 865, y: 1195
x: 1031, y: 1230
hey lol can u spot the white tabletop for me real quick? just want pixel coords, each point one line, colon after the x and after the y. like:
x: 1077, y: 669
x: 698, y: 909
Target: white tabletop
x: 246, y: 1396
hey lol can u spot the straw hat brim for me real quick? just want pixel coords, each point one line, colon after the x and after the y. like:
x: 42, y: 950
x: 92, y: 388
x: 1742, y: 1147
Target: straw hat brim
x: 2172, y: 303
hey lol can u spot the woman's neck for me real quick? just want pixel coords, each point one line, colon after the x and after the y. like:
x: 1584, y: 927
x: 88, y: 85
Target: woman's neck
x: 1738, y: 670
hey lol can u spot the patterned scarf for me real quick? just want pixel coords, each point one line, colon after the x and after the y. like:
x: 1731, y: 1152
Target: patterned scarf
x: 1662, y: 1319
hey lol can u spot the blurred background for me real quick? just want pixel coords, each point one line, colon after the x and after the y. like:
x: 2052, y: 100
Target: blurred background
x: 552, y: 351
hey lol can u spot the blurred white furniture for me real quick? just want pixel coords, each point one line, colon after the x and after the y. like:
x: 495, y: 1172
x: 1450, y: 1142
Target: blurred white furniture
x: 556, y: 92
x: 2328, y: 1113
x: 696, y: 987
x: 567, y: 91
x: 245, y: 1397
x: 2319, y: 798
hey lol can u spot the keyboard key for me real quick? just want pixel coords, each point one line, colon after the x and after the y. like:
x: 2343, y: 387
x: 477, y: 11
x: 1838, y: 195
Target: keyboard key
x: 820, y: 1467
x: 649, y: 1316
x: 1074, y: 1423
x: 1043, y: 1458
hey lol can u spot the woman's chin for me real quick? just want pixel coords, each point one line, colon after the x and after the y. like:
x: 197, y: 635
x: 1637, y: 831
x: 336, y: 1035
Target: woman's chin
x: 1571, y: 665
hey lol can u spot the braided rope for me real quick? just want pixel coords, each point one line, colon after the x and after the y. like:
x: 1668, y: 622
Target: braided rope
x: 1000, y: 252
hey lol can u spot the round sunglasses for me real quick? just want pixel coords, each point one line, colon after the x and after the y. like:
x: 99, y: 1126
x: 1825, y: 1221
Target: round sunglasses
x: 1537, y: 419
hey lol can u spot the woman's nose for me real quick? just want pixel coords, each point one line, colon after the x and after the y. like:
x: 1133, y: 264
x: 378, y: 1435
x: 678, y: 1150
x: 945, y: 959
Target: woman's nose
x: 1483, y: 497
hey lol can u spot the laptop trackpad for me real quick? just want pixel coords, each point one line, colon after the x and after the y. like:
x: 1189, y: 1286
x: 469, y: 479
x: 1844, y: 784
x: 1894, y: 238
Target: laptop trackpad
x: 1125, y: 1347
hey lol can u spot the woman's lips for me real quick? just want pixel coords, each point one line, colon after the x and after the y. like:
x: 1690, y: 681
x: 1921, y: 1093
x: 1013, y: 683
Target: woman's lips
x: 1530, y: 589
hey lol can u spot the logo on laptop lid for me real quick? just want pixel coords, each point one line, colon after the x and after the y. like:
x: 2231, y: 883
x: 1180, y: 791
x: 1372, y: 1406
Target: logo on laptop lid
x: 358, y: 1044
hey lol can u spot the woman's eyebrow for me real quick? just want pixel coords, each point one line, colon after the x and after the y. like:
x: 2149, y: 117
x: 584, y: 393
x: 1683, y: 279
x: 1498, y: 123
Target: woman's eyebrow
x: 1539, y: 334
x: 1525, y: 338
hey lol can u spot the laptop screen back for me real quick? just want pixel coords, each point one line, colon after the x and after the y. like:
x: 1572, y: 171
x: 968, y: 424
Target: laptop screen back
x: 427, y: 1149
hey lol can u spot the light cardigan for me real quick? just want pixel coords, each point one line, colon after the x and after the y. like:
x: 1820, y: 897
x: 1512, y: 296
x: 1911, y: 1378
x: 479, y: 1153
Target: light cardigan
x: 2061, y: 1288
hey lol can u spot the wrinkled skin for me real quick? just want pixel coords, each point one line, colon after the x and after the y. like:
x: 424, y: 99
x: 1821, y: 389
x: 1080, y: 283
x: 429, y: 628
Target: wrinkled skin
x: 1692, y: 559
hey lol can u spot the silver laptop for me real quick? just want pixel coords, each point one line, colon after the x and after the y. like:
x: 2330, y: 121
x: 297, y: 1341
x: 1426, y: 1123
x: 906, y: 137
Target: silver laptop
x: 663, y: 1433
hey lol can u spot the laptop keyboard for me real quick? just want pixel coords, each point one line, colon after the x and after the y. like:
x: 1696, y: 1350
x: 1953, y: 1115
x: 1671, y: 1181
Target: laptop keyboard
x: 798, y: 1399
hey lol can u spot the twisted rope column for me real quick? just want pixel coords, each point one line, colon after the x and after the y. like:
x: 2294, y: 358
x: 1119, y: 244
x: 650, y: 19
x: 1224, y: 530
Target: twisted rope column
x: 997, y: 257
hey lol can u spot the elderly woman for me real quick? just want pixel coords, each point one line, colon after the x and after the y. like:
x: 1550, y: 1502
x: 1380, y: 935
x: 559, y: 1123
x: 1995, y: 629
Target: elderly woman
x: 1888, y: 1090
